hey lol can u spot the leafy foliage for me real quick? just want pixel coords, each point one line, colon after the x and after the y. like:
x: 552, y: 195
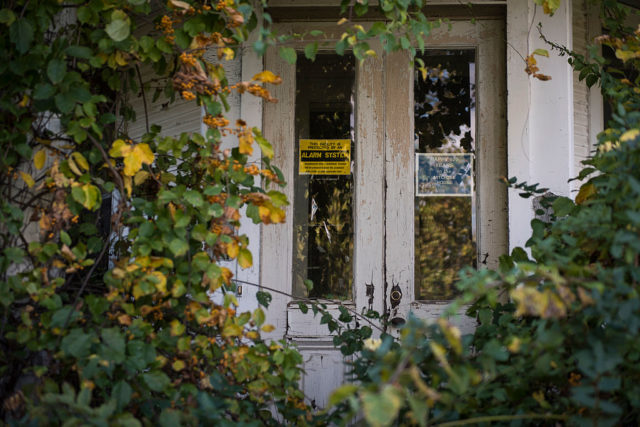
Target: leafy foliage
x: 106, y: 306
x: 557, y: 336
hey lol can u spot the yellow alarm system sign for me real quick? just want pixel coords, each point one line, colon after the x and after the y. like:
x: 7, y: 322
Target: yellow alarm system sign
x: 325, y: 157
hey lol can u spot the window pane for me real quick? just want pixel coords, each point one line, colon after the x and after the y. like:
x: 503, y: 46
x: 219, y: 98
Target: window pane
x: 444, y: 141
x: 323, y: 189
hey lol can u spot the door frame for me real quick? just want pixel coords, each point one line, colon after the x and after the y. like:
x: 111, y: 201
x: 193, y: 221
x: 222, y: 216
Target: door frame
x: 385, y: 83
x: 487, y: 37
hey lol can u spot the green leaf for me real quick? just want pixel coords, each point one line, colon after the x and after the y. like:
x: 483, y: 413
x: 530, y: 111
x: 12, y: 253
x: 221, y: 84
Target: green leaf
x: 562, y: 206
x: 7, y: 16
x: 179, y: 247
x: 77, y: 343
x: 342, y: 393
x: 259, y: 317
x: 214, y: 108
x: 194, y: 198
x: 311, y: 50
x: 56, y: 69
x: 118, y: 29
x: 264, y: 298
x: 381, y: 409
x: 43, y: 91
x: 64, y: 238
x: 541, y: 52
x: 303, y: 307
x: 114, y: 342
x: 288, y: 54
x: 65, y: 102
x: 21, y: 34
x: 122, y: 394
x: 156, y: 380
x: 308, y: 284
x: 81, y: 52
x: 170, y: 418
x: 265, y: 146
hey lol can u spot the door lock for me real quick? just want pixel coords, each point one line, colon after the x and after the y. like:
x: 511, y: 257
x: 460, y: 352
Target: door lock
x: 396, y: 296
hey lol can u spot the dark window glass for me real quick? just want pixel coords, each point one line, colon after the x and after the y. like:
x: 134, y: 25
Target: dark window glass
x: 444, y: 141
x: 323, y: 203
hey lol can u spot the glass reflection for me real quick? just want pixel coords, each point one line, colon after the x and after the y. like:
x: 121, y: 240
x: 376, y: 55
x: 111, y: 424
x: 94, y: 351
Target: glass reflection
x: 444, y: 114
x: 323, y: 204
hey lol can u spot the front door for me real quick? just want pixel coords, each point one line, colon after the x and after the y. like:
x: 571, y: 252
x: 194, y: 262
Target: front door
x: 393, y: 174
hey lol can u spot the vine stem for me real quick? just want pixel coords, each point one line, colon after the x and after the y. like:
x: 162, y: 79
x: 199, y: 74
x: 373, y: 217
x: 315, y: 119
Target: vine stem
x: 144, y: 99
x: 310, y: 301
x: 490, y: 418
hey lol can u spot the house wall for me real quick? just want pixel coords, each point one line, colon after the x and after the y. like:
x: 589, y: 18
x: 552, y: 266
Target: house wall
x: 550, y: 129
x: 541, y: 144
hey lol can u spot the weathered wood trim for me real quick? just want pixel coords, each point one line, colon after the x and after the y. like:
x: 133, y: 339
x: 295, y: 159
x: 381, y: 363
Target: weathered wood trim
x: 487, y: 37
x: 399, y: 177
x: 276, y: 240
x: 369, y: 191
x: 518, y: 109
x: 332, y: 13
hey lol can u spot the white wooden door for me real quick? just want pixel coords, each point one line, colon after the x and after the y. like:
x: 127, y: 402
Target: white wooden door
x: 373, y: 104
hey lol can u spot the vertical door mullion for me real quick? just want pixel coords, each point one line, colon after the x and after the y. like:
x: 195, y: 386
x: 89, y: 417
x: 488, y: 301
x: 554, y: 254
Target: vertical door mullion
x: 276, y: 243
x: 369, y: 188
x: 399, y: 172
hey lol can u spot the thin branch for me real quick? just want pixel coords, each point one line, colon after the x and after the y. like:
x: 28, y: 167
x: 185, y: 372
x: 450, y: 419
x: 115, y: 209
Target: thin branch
x: 311, y: 301
x: 107, y: 160
x: 86, y: 281
x: 491, y: 418
x: 144, y: 99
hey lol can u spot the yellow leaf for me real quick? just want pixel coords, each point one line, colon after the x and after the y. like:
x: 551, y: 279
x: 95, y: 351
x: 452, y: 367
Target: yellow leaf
x: 342, y: 21
x: 532, y: 302
x: 140, y: 177
x: 39, y: 158
x: 178, y: 289
x: 226, y: 275
x: 630, y: 135
x: 161, y: 284
x: 245, y: 143
x: 252, y: 335
x: 67, y: 253
x: 267, y: 77
x: 233, y: 249
x: 232, y: 330
x: 245, y: 259
x: 178, y: 365
x: 72, y: 165
x: 264, y: 213
x: 268, y: 328
x: 626, y: 55
x: 229, y: 54
x: 138, y: 155
x: 27, y: 179
x: 24, y: 102
x: 92, y: 197
x: 119, y: 148
x: 514, y: 345
x: 177, y: 328
x: 180, y: 4
x: 137, y: 291
x: 452, y: 334
x: 80, y: 160
x: 127, y: 185
x: 277, y: 215
x: 120, y: 59
x: 161, y: 360
x: 585, y: 193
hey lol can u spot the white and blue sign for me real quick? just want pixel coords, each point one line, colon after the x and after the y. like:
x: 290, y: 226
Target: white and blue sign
x: 444, y: 174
